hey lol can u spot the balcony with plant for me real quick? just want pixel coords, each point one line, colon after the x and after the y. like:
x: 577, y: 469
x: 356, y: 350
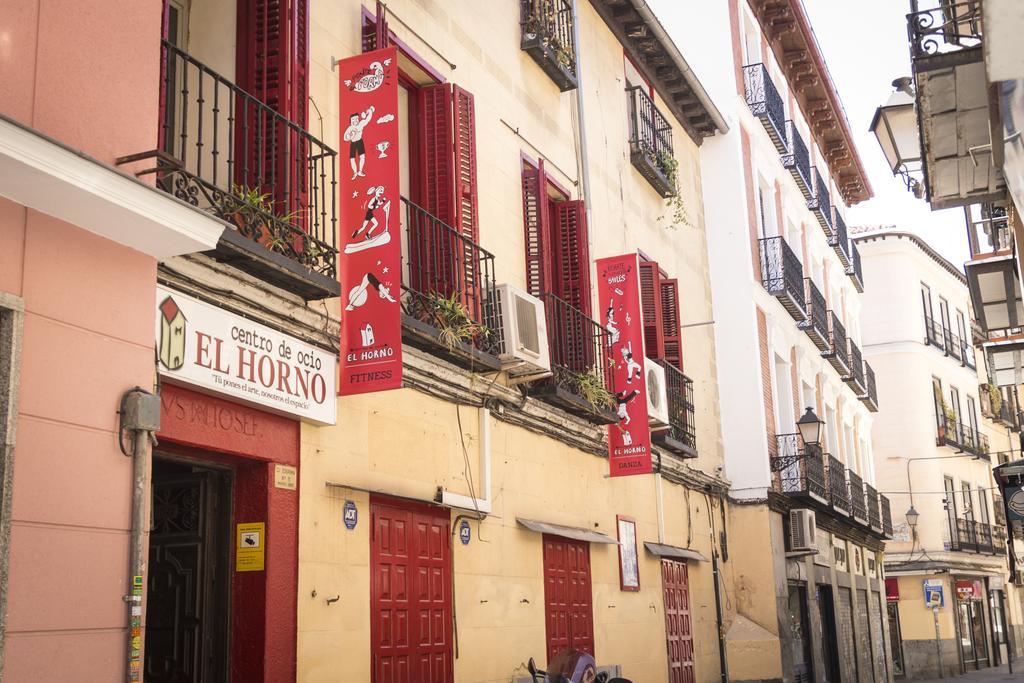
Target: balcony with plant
x: 548, y: 36
x: 650, y: 143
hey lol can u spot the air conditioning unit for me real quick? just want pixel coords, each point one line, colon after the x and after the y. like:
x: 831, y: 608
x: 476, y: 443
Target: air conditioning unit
x: 524, y: 346
x: 802, y: 527
x: 657, y: 395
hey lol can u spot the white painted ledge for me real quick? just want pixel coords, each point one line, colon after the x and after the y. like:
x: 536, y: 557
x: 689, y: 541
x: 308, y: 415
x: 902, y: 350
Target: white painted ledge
x: 45, y: 175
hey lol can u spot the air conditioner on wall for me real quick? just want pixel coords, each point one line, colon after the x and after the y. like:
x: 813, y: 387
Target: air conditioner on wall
x: 802, y: 528
x: 524, y: 346
x: 657, y: 395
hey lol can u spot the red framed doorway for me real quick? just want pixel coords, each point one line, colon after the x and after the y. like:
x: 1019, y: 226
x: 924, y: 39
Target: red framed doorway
x: 568, y: 598
x: 675, y: 580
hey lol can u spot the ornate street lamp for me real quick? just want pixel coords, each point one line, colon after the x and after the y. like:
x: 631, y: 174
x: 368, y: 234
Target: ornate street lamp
x: 912, y: 516
x: 810, y: 428
x: 895, y: 127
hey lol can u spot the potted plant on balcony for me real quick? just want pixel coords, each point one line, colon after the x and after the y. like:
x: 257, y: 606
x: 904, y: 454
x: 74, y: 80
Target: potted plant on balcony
x: 591, y: 388
x: 248, y: 210
x: 453, y: 322
x: 995, y: 399
x: 678, y: 214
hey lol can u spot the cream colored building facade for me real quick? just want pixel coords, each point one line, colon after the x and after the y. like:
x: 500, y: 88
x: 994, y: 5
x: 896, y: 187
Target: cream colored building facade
x: 936, y: 439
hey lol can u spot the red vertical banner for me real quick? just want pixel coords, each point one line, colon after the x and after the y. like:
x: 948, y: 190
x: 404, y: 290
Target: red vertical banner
x: 371, y: 260
x: 618, y: 293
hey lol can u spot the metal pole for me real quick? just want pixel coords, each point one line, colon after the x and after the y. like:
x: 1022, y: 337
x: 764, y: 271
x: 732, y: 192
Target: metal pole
x: 715, y: 573
x: 142, y: 465
x: 1006, y: 629
x: 584, y: 160
x: 938, y: 640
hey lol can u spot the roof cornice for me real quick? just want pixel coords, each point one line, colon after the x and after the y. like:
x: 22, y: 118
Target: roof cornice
x: 920, y: 243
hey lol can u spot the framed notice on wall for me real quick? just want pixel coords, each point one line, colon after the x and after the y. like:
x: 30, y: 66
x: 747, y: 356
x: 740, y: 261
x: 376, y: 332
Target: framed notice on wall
x: 629, y: 562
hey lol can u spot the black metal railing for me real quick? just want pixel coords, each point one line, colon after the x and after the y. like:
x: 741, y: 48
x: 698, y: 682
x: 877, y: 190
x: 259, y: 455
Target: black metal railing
x: 854, y: 270
x: 448, y: 281
x: 857, y: 507
x: 838, y: 492
x: 953, y: 432
x: 782, y: 275
x: 954, y: 346
x: 681, y: 415
x: 886, y: 509
x: 548, y: 37
x: 949, y: 27
x: 765, y: 103
x: 988, y: 230
x: 837, y: 353
x: 816, y: 322
x: 1007, y: 415
x: 967, y: 354
x: 579, y: 350
x: 797, y: 159
x: 650, y: 142
x: 874, y: 511
x: 966, y: 536
x: 934, y: 333
x: 799, y: 469
x: 820, y: 202
x: 839, y: 241
x: 856, y: 376
x: 998, y: 540
x: 223, y: 150
x: 870, y: 394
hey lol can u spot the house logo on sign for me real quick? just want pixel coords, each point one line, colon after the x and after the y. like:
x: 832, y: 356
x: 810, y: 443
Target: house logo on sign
x: 172, y: 335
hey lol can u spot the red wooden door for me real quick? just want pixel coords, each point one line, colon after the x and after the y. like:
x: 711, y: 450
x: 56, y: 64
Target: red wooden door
x: 678, y: 630
x: 569, y: 616
x: 410, y: 600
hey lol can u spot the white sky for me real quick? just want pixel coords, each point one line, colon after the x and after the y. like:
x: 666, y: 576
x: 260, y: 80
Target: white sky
x: 865, y: 47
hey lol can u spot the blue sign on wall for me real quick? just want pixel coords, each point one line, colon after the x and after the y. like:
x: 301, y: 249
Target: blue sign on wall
x: 933, y: 595
x: 464, y: 532
x: 350, y: 515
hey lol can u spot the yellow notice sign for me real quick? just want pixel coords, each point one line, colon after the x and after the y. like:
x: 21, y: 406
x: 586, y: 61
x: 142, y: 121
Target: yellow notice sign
x: 250, y: 547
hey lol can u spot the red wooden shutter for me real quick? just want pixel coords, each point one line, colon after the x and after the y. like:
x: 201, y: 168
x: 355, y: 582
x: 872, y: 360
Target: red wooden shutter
x: 537, y: 228
x: 437, y: 173
x: 376, y: 34
x: 650, y: 304
x: 572, y: 281
x: 671, y: 332
x: 464, y: 136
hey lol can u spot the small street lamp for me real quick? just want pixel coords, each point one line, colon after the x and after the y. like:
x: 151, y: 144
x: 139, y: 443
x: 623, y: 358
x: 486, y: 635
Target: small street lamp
x: 912, y: 517
x: 810, y: 428
x: 895, y: 127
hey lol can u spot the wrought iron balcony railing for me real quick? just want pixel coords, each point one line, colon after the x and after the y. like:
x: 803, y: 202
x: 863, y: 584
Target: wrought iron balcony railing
x: 797, y: 160
x: 858, y: 507
x: 870, y: 394
x: 952, y: 432
x: 854, y: 270
x: 976, y: 537
x: 581, y: 381
x: 448, y: 290
x: 948, y: 27
x: 815, y: 324
x: 681, y: 436
x: 820, y: 202
x: 839, y: 241
x: 650, y: 142
x: 838, y: 491
x: 954, y: 347
x: 799, y: 470
x: 934, y: 333
x: 838, y: 352
x: 967, y: 355
x: 782, y: 275
x: 998, y: 541
x: 548, y: 37
x: 988, y: 231
x: 223, y: 150
x: 856, y: 377
x: 883, y: 503
x: 874, y: 510
x: 765, y: 103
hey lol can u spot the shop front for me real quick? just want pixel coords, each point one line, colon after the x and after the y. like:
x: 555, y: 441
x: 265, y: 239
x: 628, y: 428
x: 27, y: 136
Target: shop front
x: 972, y: 622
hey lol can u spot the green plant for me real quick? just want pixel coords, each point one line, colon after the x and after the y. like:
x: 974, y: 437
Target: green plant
x: 678, y: 214
x: 252, y: 200
x: 590, y: 386
x: 995, y: 398
x: 454, y: 324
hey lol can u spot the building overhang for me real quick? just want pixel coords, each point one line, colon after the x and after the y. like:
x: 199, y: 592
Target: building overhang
x: 673, y: 552
x: 51, y: 178
x: 575, y: 533
x: 788, y: 29
x: 995, y: 293
x: 649, y: 45
x: 1006, y: 362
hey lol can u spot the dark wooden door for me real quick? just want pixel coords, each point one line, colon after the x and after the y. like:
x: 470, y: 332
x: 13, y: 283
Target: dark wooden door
x: 675, y: 580
x: 569, y: 615
x: 187, y: 588
x: 411, y: 601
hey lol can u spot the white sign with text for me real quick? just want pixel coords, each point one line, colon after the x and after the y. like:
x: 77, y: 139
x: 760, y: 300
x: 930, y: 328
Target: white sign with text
x: 209, y: 347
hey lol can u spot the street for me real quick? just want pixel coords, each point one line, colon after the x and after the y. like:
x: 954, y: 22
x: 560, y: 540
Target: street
x: 996, y: 673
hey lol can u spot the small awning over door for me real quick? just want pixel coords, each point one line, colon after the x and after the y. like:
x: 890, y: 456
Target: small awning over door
x: 673, y: 552
x: 572, y: 532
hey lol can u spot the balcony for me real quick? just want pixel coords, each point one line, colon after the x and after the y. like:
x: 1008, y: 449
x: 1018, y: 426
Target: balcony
x: 650, y: 142
x: 820, y: 203
x: 815, y: 324
x: 977, y: 537
x: 998, y: 540
x: 874, y: 511
x: 765, y: 103
x: 854, y: 269
x: 858, y: 507
x: 783, y: 275
x: 797, y: 160
x: 224, y: 151
x: 870, y: 395
x: 855, y: 378
x: 548, y: 37
x: 839, y: 242
x: 967, y: 355
x: 448, y: 292
x: 953, y: 433
x: 954, y: 347
x: 838, y: 491
x: 837, y: 353
x: 883, y: 504
x: 581, y: 382
x: 934, y: 333
x: 988, y: 231
x: 798, y: 471
x: 681, y: 436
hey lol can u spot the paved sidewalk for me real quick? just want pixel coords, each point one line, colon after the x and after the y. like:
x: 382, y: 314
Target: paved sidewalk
x: 990, y: 675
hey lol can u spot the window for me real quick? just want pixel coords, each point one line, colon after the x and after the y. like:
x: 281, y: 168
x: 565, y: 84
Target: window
x: 972, y: 418
x: 784, y: 418
x: 569, y: 615
x: 751, y: 41
x: 951, y: 510
x: 961, y: 329
x: 659, y: 298
x: 983, y: 505
x: 968, y: 501
x: 926, y: 303
x: 940, y: 415
x: 766, y: 204
x: 944, y: 313
x: 831, y: 431
x: 954, y: 405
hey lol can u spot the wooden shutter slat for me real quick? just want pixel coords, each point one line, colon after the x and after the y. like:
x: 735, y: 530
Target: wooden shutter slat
x: 376, y: 34
x: 651, y: 306
x: 670, y: 321
x: 437, y: 181
x: 464, y: 138
x: 537, y: 229
x: 573, y: 262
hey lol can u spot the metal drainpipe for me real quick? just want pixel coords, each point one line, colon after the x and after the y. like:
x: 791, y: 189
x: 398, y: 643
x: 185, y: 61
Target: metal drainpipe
x: 582, y: 128
x: 715, y: 575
